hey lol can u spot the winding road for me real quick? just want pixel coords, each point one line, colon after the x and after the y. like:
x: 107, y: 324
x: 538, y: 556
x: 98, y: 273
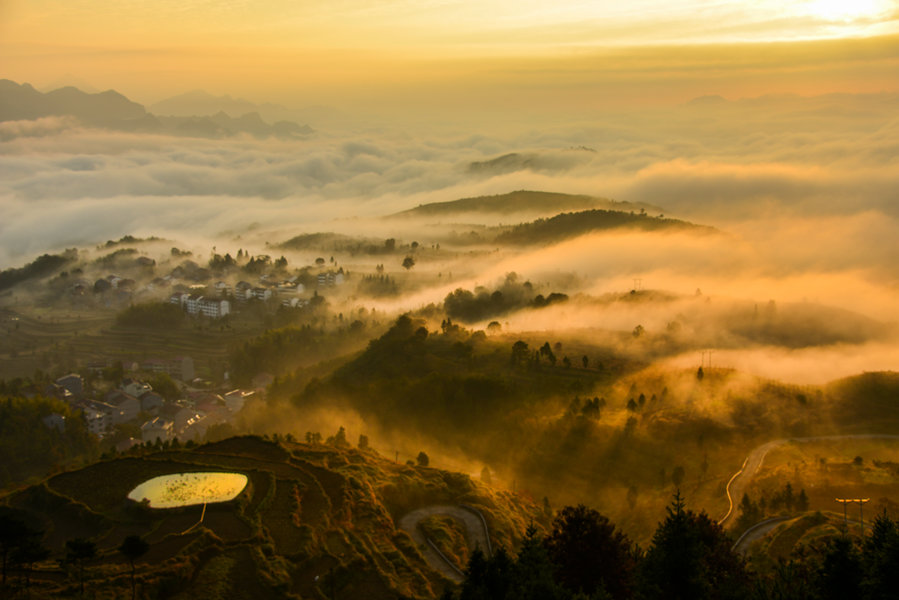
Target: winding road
x: 476, y: 535
x: 737, y: 484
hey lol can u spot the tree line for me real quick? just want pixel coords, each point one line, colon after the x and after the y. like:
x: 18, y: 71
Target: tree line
x: 690, y: 557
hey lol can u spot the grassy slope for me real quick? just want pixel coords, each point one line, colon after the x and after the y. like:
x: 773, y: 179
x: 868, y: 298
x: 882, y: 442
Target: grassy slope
x: 514, y: 202
x: 308, y: 510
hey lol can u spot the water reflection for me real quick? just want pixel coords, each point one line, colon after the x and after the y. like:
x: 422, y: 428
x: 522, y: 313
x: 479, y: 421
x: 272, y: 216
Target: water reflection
x: 186, y: 489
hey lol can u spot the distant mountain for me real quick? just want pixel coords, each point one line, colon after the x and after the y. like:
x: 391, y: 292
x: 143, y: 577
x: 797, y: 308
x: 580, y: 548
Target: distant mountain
x: 199, y: 102
x: 522, y: 201
x: 548, y: 161
x: 222, y: 125
x: 106, y: 109
x: 112, y: 110
x: 69, y: 80
x: 507, y: 163
x: 569, y: 225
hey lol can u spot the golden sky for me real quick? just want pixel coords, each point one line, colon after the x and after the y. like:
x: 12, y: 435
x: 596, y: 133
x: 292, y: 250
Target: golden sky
x: 445, y: 52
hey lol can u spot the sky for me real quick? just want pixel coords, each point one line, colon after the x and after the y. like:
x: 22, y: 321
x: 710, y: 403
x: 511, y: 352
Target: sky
x: 776, y: 122
x: 397, y: 56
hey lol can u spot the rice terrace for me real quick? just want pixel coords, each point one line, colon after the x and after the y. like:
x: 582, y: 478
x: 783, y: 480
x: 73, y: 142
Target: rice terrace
x: 309, y: 517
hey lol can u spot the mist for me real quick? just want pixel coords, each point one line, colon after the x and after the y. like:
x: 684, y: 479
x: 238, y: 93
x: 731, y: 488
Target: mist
x: 732, y: 164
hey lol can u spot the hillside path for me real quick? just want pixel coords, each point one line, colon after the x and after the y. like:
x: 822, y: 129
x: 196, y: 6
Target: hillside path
x: 737, y: 484
x: 475, y: 534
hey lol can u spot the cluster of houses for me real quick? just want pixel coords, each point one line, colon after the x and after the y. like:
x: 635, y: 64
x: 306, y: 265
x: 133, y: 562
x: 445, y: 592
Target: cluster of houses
x: 195, y: 305
x: 289, y: 292
x: 135, y: 402
x: 199, y: 299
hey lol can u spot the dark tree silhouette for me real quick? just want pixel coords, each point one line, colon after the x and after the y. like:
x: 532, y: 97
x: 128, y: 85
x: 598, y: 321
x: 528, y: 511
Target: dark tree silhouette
x: 28, y: 553
x: 533, y: 571
x: 133, y: 547
x: 423, y: 460
x: 881, y: 557
x: 79, y: 552
x: 520, y: 352
x: 840, y: 575
x: 588, y: 554
x: 691, y: 559
x: 15, y: 535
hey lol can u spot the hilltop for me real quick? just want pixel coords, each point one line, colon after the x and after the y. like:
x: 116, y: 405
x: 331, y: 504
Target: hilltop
x: 313, y: 517
x: 568, y: 225
x: 521, y: 201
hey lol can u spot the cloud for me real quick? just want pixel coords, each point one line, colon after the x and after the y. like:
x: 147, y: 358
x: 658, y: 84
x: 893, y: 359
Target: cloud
x: 10, y: 130
x: 735, y: 164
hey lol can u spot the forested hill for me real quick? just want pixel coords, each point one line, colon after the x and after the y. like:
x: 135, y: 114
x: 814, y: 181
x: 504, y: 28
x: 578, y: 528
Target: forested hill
x: 516, y: 202
x: 568, y: 225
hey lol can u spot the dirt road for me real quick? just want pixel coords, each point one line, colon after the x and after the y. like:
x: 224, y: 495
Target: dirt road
x: 475, y: 535
x: 737, y: 484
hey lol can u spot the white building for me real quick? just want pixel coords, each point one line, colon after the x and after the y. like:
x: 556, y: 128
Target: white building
x: 135, y: 388
x: 157, y: 428
x: 98, y: 421
x: 259, y: 293
x: 214, y: 308
x: 235, y: 400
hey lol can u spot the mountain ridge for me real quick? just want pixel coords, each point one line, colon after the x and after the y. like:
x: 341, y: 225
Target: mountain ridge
x: 112, y: 110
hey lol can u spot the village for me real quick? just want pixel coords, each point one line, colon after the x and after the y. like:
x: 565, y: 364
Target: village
x: 135, y: 413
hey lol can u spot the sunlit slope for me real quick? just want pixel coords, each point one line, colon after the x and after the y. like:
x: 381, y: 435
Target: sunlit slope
x: 313, y: 517
x: 521, y: 201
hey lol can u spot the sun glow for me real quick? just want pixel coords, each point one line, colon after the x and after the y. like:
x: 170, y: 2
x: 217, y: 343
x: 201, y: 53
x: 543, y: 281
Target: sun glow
x: 843, y: 10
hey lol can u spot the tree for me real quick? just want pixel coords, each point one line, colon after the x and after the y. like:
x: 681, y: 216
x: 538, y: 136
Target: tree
x: 338, y: 439
x: 585, y: 361
x: 700, y: 374
x: 638, y: 331
x: 132, y: 548
x: 520, y: 352
x: 533, y: 572
x: 15, y: 534
x: 588, y: 554
x: 423, y: 459
x: 408, y: 262
x: 28, y: 553
x: 840, y: 574
x: 881, y: 554
x: 363, y: 442
x: 690, y: 558
x: 79, y: 552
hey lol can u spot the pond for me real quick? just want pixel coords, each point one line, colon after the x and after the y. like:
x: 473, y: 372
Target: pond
x: 187, y: 489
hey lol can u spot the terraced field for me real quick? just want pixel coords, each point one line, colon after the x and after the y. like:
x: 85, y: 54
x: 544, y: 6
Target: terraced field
x: 39, y: 341
x: 313, y: 520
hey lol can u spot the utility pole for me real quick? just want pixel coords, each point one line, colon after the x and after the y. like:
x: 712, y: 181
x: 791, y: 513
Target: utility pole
x: 845, y: 517
x: 861, y: 512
